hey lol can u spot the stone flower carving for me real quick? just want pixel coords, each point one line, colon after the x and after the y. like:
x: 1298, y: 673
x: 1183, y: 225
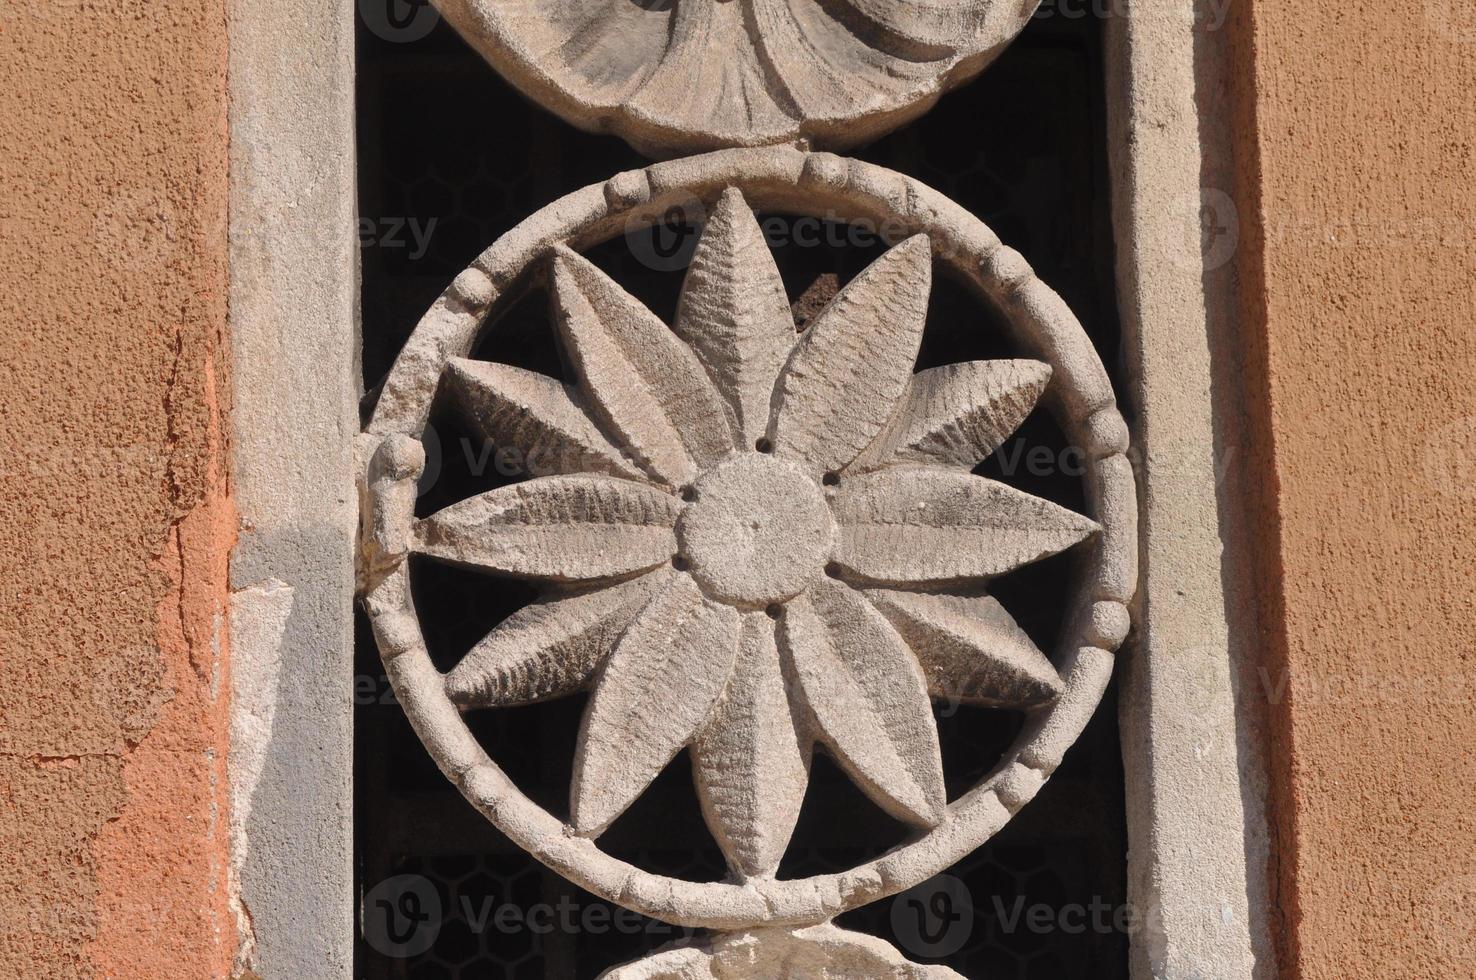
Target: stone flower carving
x: 676, y: 76
x: 755, y: 541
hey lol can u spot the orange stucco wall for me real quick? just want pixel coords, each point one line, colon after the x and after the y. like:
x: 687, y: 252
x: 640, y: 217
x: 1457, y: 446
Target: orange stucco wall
x: 116, y: 518
x: 1357, y: 148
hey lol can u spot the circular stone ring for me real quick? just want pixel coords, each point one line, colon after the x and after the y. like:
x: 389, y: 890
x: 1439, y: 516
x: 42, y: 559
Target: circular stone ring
x: 782, y: 180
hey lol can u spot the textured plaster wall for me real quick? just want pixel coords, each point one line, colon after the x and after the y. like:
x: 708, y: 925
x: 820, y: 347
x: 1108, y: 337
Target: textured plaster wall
x: 116, y: 521
x: 1358, y: 147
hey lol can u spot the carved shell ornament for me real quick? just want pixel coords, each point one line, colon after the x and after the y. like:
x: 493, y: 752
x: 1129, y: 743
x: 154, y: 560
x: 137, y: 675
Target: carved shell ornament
x: 680, y: 76
x: 755, y: 543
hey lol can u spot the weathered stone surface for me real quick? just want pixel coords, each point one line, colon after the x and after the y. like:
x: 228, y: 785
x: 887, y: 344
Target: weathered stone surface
x: 866, y: 692
x: 957, y: 414
x: 294, y: 257
x: 970, y: 648
x: 854, y: 361
x: 735, y: 314
x: 678, y: 77
x: 659, y: 687
x: 924, y: 525
x: 758, y: 531
x: 750, y: 763
x: 640, y: 380
x: 539, y: 415
x: 810, y: 599
x: 562, y: 528
x: 550, y: 648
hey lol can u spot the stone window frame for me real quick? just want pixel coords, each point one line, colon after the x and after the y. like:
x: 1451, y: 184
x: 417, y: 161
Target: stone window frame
x: 1193, y: 745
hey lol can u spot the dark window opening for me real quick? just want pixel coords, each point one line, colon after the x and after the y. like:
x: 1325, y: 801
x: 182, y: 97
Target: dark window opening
x: 1023, y: 147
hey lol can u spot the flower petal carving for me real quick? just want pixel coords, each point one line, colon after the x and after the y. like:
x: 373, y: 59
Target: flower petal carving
x: 750, y: 764
x: 538, y: 415
x: 868, y: 698
x: 920, y: 23
x: 679, y: 77
x: 823, y: 69
x: 550, y: 648
x: 573, y: 39
x: 728, y: 94
x: 641, y: 382
x: 971, y: 650
x: 657, y: 689
x: 958, y: 414
x: 735, y: 314
x: 921, y: 525
x: 559, y: 528
x: 854, y: 362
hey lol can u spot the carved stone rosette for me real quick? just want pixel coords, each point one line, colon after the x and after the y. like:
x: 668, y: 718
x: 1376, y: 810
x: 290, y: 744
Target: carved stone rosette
x: 754, y: 542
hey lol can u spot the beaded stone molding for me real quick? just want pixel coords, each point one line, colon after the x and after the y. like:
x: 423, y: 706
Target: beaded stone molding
x: 683, y: 76
x: 753, y: 541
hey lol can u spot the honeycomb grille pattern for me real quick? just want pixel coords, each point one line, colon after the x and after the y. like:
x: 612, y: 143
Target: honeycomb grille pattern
x: 510, y: 919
